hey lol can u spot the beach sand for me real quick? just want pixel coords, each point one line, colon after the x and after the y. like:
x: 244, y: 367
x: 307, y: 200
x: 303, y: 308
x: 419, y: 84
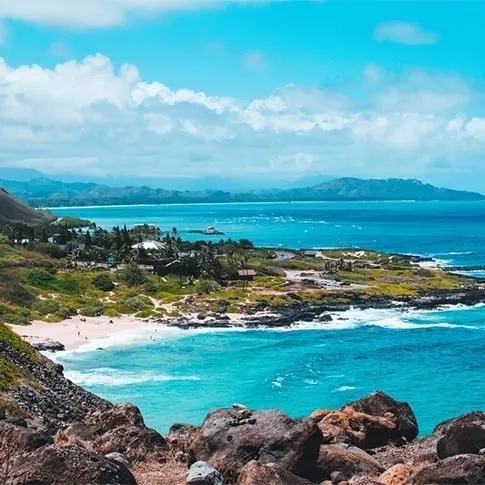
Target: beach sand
x: 74, y: 332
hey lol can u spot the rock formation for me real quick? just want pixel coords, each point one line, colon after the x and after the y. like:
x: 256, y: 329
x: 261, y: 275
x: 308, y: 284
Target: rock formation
x: 53, y: 432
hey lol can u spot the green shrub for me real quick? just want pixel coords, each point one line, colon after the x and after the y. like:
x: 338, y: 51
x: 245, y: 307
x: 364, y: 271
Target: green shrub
x: 16, y: 318
x: 9, y: 375
x: 64, y: 312
x: 132, y: 275
x: 136, y: 303
x: 103, y: 282
x: 46, y: 307
x: 150, y: 287
x: 52, y: 250
x: 144, y: 314
x: 14, y: 341
x: 19, y: 295
x: 92, y: 308
x: 204, y: 287
x: 111, y: 312
x: 39, y: 276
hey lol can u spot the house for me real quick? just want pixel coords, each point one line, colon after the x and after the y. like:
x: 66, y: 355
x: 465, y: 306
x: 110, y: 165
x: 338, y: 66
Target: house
x: 310, y: 254
x: 247, y: 274
x: 150, y: 246
x: 211, y: 230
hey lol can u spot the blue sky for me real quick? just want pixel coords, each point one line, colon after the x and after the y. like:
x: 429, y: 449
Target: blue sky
x: 245, y: 89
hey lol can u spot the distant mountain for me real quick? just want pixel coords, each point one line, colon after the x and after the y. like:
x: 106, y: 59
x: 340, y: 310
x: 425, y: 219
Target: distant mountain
x: 168, y: 183
x: 13, y: 211
x: 49, y: 193
x: 381, y: 189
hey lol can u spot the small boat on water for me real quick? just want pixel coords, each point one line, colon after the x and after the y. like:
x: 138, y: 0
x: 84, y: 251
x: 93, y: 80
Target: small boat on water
x: 209, y: 231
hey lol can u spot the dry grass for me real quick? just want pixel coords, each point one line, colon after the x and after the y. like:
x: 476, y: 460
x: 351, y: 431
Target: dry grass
x: 155, y: 473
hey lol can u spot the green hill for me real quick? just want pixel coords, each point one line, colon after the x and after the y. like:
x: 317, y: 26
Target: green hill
x: 15, y: 212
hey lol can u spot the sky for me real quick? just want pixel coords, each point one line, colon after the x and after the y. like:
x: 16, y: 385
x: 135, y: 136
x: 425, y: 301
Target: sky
x: 245, y: 89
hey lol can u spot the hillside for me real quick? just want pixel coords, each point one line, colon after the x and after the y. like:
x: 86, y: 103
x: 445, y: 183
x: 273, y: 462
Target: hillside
x: 13, y: 211
x: 49, y: 193
x: 381, y: 189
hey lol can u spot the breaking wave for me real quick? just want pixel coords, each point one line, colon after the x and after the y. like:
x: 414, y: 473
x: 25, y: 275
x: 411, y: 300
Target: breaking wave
x: 116, y: 378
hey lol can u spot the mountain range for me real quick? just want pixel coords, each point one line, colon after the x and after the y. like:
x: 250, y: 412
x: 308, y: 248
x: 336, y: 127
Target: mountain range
x: 43, y: 192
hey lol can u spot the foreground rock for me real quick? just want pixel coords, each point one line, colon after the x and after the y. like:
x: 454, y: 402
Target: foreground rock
x: 201, y: 473
x: 230, y: 438
x: 346, y: 461
x: 368, y: 423
x: 255, y: 473
x: 462, y: 436
x: 457, y: 470
x: 67, y: 465
x: 120, y: 429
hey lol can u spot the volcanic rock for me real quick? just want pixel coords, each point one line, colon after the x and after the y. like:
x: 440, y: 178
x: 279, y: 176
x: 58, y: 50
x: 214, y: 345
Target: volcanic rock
x: 273, y: 438
x: 255, y: 473
x: 347, y: 460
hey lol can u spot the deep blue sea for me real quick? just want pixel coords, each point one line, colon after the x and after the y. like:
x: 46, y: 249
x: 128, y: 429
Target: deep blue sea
x: 434, y: 360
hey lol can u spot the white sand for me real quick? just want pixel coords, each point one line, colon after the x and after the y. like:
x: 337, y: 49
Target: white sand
x: 73, y: 332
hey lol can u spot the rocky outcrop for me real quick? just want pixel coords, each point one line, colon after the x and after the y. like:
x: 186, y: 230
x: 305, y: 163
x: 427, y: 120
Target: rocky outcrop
x: 230, y: 438
x: 381, y: 405
x: 74, y: 465
x: 120, y: 429
x: 465, y: 435
x: 44, y: 344
x: 255, y: 473
x: 457, y: 470
x: 346, y: 461
x: 45, y: 396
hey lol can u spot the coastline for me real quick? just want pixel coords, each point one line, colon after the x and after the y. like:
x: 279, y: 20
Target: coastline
x: 78, y: 331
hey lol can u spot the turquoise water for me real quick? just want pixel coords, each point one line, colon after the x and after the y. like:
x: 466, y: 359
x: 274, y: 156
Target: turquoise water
x: 434, y: 360
x: 451, y: 231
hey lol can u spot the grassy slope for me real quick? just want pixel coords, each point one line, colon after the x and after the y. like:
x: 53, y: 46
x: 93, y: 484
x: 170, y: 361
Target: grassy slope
x: 14, y: 211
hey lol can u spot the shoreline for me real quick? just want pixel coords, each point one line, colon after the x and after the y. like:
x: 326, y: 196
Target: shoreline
x: 76, y: 332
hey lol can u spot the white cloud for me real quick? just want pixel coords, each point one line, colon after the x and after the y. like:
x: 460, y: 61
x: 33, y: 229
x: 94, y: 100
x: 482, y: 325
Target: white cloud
x: 405, y: 33
x: 100, y: 13
x: 476, y: 128
x: 91, y: 118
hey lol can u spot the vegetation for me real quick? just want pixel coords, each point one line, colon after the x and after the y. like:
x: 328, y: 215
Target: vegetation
x: 91, y: 271
x: 53, y: 193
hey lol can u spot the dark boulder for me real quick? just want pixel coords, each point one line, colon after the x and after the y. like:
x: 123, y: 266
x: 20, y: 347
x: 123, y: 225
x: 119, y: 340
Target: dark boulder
x: 117, y: 430
x: 456, y: 470
x: 461, y: 439
x: 255, y: 473
x: 51, y: 465
x: 382, y: 405
x: 347, y: 460
x: 228, y: 440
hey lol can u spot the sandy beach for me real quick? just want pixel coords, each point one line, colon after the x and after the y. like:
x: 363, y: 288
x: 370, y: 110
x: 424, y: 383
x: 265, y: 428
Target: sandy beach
x: 78, y: 331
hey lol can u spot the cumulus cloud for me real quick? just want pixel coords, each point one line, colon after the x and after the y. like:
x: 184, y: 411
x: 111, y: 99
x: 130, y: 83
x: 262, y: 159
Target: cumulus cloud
x: 100, y: 13
x: 405, y: 33
x: 88, y: 117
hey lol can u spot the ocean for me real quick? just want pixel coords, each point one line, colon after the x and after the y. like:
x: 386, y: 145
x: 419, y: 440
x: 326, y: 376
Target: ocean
x: 434, y: 360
